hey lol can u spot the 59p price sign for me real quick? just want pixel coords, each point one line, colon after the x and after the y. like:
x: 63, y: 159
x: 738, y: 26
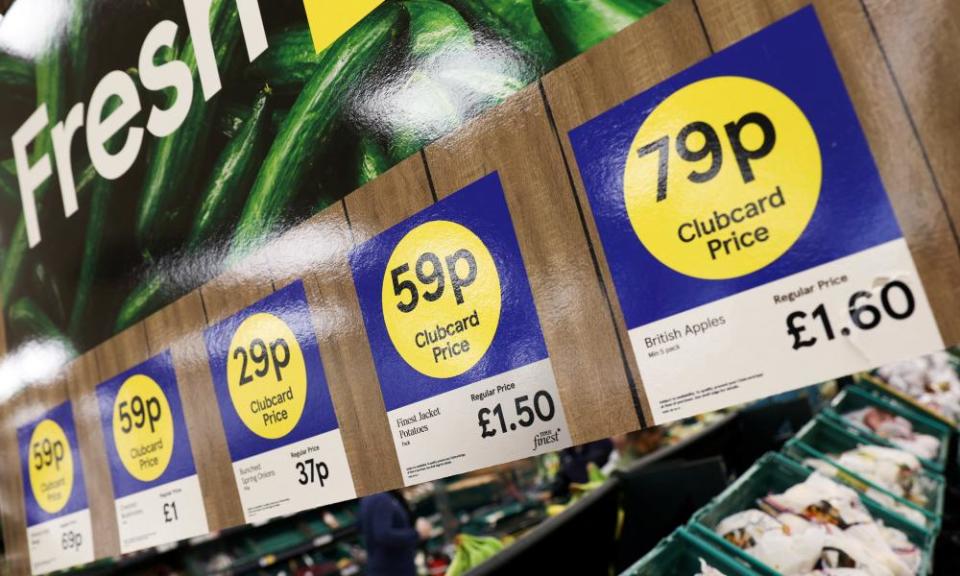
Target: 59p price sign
x: 281, y: 428
x: 59, y: 533
x: 752, y: 245
x: 150, y: 457
x: 455, y: 337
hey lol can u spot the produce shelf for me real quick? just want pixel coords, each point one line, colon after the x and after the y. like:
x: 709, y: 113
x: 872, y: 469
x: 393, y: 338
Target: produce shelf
x: 855, y: 398
x: 823, y: 437
x: 774, y: 473
x: 680, y: 554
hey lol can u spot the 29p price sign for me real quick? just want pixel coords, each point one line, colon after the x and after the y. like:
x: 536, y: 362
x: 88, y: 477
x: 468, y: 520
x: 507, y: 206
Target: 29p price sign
x: 155, y: 484
x: 752, y: 245
x: 456, y: 340
x: 282, y: 432
x: 59, y: 533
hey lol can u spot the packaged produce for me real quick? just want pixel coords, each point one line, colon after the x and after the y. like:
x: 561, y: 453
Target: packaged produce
x: 708, y: 570
x: 931, y: 380
x: 895, y: 470
x: 895, y: 428
x: 819, y: 525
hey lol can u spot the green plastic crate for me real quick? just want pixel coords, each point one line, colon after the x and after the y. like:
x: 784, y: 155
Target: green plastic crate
x: 679, y: 555
x: 855, y: 398
x: 878, y: 387
x: 775, y: 473
x: 823, y: 436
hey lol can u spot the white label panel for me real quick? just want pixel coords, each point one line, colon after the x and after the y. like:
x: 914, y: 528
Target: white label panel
x: 160, y: 515
x: 739, y: 348
x: 306, y: 474
x: 442, y: 435
x: 60, y: 543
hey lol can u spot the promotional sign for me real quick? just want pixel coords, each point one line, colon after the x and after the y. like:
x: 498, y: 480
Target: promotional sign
x: 155, y: 483
x: 457, y: 344
x: 59, y: 533
x: 281, y: 428
x: 751, y: 242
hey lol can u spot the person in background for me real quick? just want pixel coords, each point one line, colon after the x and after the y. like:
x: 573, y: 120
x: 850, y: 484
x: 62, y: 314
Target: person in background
x: 573, y: 464
x: 390, y: 534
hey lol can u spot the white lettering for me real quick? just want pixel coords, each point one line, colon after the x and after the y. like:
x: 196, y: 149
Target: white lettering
x: 31, y: 177
x: 174, y: 74
x: 62, y: 135
x: 99, y: 129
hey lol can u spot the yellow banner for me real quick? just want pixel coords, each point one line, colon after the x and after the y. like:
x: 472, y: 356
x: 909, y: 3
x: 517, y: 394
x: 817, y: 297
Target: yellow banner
x: 330, y: 19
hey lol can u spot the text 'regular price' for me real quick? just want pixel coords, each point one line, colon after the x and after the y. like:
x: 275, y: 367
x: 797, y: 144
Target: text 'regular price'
x: 866, y: 310
x: 51, y: 466
x: 722, y: 178
x: 267, y: 376
x: 441, y: 298
x: 143, y: 428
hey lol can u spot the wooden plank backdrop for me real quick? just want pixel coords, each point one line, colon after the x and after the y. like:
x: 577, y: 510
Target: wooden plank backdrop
x: 12, y: 504
x: 400, y: 193
x: 897, y: 58
x: 517, y: 140
x: 920, y: 46
x: 179, y: 328
x: 83, y: 375
x: 641, y: 56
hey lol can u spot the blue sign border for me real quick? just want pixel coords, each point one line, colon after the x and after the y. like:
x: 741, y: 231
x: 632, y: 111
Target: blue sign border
x: 62, y: 415
x: 290, y: 305
x: 482, y: 208
x: 853, y: 212
x: 160, y: 369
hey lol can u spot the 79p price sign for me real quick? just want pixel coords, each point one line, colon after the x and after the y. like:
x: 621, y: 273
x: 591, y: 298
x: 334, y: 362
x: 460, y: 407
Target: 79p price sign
x: 752, y: 245
x: 455, y: 338
x: 59, y: 532
x: 282, y: 432
x: 151, y: 461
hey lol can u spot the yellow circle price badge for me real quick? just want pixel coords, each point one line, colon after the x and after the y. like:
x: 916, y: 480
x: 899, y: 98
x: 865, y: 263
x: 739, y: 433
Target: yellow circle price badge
x: 266, y: 376
x: 143, y: 429
x: 441, y: 298
x: 51, y: 466
x: 722, y: 178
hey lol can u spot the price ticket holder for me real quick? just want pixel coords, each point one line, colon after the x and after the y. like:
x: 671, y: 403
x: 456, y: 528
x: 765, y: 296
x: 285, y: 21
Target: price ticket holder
x: 751, y: 243
x: 59, y: 529
x: 157, y: 490
x: 460, y: 356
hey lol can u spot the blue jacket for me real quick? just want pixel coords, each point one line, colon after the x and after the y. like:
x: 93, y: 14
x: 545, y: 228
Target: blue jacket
x: 389, y: 535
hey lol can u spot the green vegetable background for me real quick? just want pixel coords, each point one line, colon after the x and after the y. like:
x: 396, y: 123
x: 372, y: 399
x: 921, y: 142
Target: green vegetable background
x: 288, y: 135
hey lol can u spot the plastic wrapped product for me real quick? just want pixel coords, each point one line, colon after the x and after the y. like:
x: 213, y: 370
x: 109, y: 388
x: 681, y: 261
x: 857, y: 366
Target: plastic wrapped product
x: 883, y: 549
x: 821, y: 500
x: 838, y: 572
x: 895, y: 470
x: 708, y: 570
x: 882, y: 498
x: 896, y: 429
x: 931, y: 380
x: 818, y: 527
x: 788, y: 543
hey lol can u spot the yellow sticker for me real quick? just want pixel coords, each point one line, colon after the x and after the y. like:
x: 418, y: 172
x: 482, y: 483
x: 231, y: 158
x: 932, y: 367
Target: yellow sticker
x: 330, y: 19
x: 143, y: 428
x: 441, y: 298
x: 267, y: 376
x: 51, y: 466
x: 722, y: 178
